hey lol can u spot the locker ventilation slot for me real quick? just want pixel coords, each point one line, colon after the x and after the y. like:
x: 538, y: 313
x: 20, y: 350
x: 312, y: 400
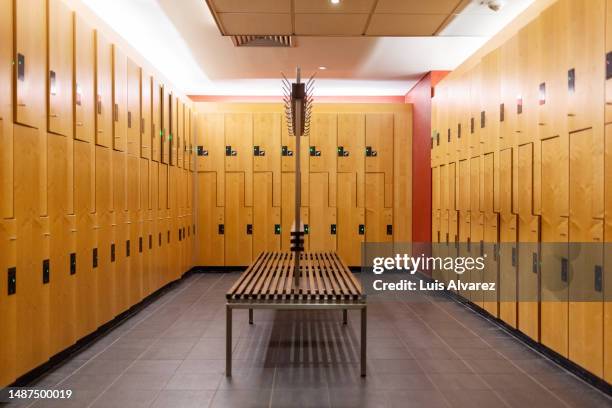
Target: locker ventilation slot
x: 263, y: 40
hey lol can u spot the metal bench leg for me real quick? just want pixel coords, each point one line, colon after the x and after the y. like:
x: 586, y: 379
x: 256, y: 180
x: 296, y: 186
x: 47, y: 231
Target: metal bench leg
x: 344, y: 316
x: 228, y: 343
x: 364, y: 339
x: 250, y: 316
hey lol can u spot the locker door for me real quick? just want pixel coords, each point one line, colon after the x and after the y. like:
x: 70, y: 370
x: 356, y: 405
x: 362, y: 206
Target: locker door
x: 554, y: 282
x: 165, y: 98
x: 351, y: 143
x: 120, y: 116
x: 476, y: 225
x: 508, y: 259
x: 104, y: 91
x: 85, y: 54
x: 607, y: 251
x: 288, y: 152
x: 378, y: 218
x: 586, y: 71
x: 323, y: 227
x: 238, y: 149
x: 8, y: 303
x: 491, y: 234
x: 463, y: 206
x: 30, y: 48
x: 6, y: 108
x: 174, y: 139
x: 238, y: 221
x: 192, y: 143
x: 528, y: 251
x: 435, y: 205
x: 156, y: 121
x: 61, y: 25
x: 350, y: 218
x: 586, y: 254
x: 180, y: 136
x: 266, y: 145
x: 323, y: 138
x: 133, y: 108
x: 453, y: 216
x: 379, y: 150
x: 288, y: 212
x: 266, y: 216
x: 146, y: 126
x: 119, y: 182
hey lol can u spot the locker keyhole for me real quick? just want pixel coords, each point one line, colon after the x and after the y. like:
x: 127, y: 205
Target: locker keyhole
x: 332, y: 229
x: 390, y: 230
x: 112, y: 254
x: 201, y: 151
x: 314, y: 152
x: 94, y: 257
x: 127, y: 249
x: 342, y: 152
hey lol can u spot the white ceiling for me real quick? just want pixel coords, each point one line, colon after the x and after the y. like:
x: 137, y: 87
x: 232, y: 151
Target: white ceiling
x: 181, y: 40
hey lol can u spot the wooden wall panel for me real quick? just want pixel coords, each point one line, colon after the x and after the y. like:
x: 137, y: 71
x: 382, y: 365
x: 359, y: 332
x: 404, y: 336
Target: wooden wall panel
x: 6, y: 108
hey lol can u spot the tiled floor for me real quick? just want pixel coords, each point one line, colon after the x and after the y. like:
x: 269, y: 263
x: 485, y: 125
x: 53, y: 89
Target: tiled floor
x: 426, y: 353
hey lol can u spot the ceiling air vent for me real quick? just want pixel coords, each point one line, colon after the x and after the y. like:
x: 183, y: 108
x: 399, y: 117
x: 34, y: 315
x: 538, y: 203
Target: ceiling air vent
x: 263, y: 40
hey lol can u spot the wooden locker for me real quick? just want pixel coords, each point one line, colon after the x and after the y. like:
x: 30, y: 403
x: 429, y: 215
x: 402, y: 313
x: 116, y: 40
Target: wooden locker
x: 162, y: 182
x: 6, y: 108
x: 173, y: 137
x: 476, y: 113
x: 586, y: 254
x: 210, y: 143
x: 8, y: 302
x: 104, y: 91
x: 180, y: 134
x: 288, y: 152
x: 210, y: 241
x: 435, y: 204
x: 132, y: 187
x: 119, y: 183
x: 134, y: 260
x: 238, y: 221
x: 511, y: 97
x: 84, y: 71
x: 351, y: 219
x: 508, y: 245
x: 477, y: 225
x: 165, y: 98
x: 491, y: 235
x: 607, y: 252
x: 120, y: 114
x: 147, y: 131
x: 529, y: 80
x: 351, y: 145
x: 59, y: 93
x: 586, y: 70
x: 134, y: 123
x: 30, y: 62
x: 378, y: 217
x: 192, y: 143
x: 288, y: 212
x: 266, y: 216
x: 323, y: 227
x: 379, y: 150
x: 528, y: 248
x: 443, y: 247
x: 266, y: 147
x: 491, y: 101
x: 156, y: 121
x: 323, y: 142
x: 554, y: 279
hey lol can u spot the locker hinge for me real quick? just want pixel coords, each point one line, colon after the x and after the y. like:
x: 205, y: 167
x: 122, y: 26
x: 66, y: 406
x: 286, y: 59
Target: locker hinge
x: 332, y: 229
x: 342, y: 152
x: 94, y: 257
x: 46, y: 272
x: 361, y: 229
x: 598, y: 278
x: 12, y: 281
x: 257, y: 151
x: 564, y: 269
x: 314, y: 152
x: 112, y: 254
x: 73, y: 264
x: 390, y: 230
x: 286, y: 152
x: 221, y: 229
x: 127, y: 248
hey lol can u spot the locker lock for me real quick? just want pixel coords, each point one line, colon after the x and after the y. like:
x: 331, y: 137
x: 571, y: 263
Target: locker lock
x: 286, y: 152
x: 472, y: 125
x: 361, y: 229
x: 46, y: 271
x: 535, y: 263
x: 542, y: 94
x: 342, y: 152
x: 306, y: 229
x: 257, y: 151
x: 201, y: 151
x: 140, y: 245
x: 221, y: 229
x: 458, y: 130
x: 230, y: 152
x: 127, y: 248
x: 371, y: 152
x: 249, y: 229
x: 12, y: 281
x: 571, y: 80
x: 519, y: 105
x: 20, y: 67
x: 332, y: 229
x: 112, y: 254
x: 150, y: 241
x: 501, y: 112
x: 277, y: 229
x: 389, y: 229
x: 598, y: 278
x: 564, y: 270
x: 314, y: 152
x: 73, y: 263
x: 483, y: 119
x: 94, y: 257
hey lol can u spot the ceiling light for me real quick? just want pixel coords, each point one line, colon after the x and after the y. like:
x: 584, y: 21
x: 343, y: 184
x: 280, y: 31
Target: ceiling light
x: 334, y: 1
x: 322, y: 68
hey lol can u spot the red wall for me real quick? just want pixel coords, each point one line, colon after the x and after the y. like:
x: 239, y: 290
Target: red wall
x: 420, y: 97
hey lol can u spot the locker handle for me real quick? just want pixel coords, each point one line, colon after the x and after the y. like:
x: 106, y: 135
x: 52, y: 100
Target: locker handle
x: 21, y: 105
x: 221, y: 229
x: 12, y: 281
x: 54, y: 115
x: 564, y: 269
x: 52, y: 83
x: 20, y: 67
x: 513, y: 256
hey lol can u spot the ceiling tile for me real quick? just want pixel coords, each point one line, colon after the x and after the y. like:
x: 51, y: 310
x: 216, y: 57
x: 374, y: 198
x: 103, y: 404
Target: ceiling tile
x: 330, y: 24
x: 255, y: 24
x: 325, y: 6
x: 250, y: 6
x: 416, y: 6
x: 404, y: 24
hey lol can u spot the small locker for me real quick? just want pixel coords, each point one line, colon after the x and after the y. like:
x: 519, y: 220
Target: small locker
x: 147, y: 131
x: 238, y: 221
x: 351, y: 220
x: 323, y: 142
x: 104, y: 91
x: 323, y: 227
x: 266, y: 147
x: 133, y: 108
x: 120, y: 114
x: 84, y: 71
x: 379, y: 219
x: 266, y: 216
x: 379, y: 150
x: 156, y: 120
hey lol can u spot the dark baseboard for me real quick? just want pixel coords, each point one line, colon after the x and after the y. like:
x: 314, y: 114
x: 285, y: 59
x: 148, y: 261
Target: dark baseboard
x: 223, y: 269
x: 61, y: 357
x: 569, y: 365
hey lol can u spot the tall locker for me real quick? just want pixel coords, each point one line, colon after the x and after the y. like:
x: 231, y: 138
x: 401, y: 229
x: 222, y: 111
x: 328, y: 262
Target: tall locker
x: 266, y: 148
x: 211, y: 150
x: 8, y: 303
x: 288, y: 212
x: 453, y: 215
x: 608, y: 252
x: 323, y: 227
x: 465, y: 221
x: 133, y: 108
x: 528, y: 250
x: 120, y: 115
x: 351, y: 145
x: 238, y: 221
x: 174, y: 136
x: 30, y: 62
x: 586, y: 253
x: 104, y: 91
x: 147, y: 131
x: 84, y: 71
x: 165, y: 99
x: 379, y: 150
x: 351, y: 220
x: 238, y: 150
x: 61, y: 26
x: 508, y: 257
x: 435, y: 215
x: 266, y: 216
x: 554, y: 272
x: 491, y: 234
x: 477, y: 227
x: 180, y: 134
x: 379, y: 219
x: 6, y: 108
x: 511, y: 98
x: 99, y: 257
x: 156, y: 121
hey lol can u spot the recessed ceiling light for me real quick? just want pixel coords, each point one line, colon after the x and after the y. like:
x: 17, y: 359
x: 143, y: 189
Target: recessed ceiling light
x: 334, y: 1
x: 322, y: 68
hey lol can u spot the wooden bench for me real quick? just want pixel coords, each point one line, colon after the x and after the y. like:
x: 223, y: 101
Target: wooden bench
x: 325, y: 282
